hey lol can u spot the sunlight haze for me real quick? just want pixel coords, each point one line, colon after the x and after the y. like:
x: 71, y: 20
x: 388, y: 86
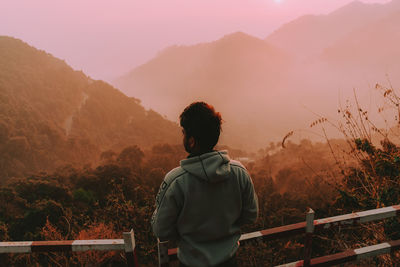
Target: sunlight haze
x: 106, y: 39
x: 114, y: 112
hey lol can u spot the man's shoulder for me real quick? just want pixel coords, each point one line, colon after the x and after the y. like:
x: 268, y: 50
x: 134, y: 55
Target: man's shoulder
x: 239, y: 170
x: 237, y: 164
x: 173, y: 174
x: 169, y: 179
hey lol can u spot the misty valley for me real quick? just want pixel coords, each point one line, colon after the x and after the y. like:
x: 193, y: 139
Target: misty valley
x: 312, y: 112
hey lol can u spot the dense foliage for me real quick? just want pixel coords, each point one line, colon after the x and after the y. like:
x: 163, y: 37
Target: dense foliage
x: 98, y: 203
x: 118, y: 195
x: 51, y: 115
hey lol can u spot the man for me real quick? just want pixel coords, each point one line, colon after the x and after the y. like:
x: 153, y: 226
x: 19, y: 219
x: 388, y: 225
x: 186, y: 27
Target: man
x: 203, y: 203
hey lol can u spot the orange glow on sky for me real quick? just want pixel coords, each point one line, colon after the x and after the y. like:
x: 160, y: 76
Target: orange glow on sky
x: 106, y: 38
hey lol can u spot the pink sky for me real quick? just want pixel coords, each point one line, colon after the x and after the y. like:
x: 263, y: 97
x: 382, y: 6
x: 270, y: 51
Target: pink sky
x: 107, y: 38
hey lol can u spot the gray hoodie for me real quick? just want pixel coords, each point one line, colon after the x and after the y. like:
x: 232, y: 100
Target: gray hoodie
x: 202, y: 204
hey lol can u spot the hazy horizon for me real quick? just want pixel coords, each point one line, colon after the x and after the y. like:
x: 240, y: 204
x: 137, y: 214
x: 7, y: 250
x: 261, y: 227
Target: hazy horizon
x: 91, y: 94
x: 107, y: 40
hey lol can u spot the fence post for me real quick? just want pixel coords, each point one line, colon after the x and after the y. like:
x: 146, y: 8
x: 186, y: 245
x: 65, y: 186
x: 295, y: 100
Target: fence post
x: 163, y: 260
x: 309, y: 235
x: 130, y: 248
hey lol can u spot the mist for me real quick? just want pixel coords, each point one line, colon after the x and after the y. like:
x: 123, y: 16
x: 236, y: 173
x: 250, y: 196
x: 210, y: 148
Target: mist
x: 90, y: 96
x: 304, y: 70
x: 106, y: 39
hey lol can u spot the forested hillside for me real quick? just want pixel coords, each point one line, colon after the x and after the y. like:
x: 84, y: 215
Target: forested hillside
x: 119, y: 194
x: 52, y: 115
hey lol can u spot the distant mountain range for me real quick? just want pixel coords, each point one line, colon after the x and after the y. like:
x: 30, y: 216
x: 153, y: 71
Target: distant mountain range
x: 375, y: 45
x: 310, y: 35
x: 217, y: 70
x: 224, y: 73
x: 265, y: 88
x: 51, y: 115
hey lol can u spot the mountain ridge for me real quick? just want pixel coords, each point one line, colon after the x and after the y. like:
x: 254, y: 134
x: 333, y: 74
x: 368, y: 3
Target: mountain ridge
x: 41, y: 95
x: 222, y: 72
x: 265, y: 89
x: 308, y: 35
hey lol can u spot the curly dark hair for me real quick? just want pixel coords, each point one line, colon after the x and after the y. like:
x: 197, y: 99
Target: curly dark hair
x: 201, y: 121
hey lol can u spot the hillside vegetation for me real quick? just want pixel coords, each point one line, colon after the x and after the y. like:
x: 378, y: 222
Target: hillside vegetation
x: 51, y: 115
x: 119, y: 194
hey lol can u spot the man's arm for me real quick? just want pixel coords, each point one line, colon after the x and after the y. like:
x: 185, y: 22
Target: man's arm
x: 168, y: 206
x: 249, y: 201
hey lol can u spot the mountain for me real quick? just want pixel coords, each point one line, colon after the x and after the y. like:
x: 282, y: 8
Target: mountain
x: 374, y: 47
x: 239, y: 74
x: 51, y: 115
x: 346, y: 51
x: 309, y: 35
x: 266, y: 88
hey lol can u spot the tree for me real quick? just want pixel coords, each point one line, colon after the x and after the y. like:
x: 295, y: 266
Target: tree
x: 131, y: 156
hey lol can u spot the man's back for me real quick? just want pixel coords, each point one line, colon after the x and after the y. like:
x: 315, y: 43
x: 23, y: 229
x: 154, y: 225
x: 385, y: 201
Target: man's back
x: 203, y: 203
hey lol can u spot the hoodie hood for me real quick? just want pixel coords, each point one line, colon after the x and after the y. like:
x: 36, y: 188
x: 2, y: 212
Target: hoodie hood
x: 211, y: 167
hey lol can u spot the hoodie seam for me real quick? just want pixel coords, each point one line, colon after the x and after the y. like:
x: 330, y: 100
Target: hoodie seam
x: 169, y: 186
x: 219, y: 153
x: 202, y: 165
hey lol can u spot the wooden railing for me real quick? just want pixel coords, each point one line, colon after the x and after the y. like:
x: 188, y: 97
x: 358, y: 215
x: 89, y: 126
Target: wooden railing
x: 167, y: 255
x: 126, y: 244
x: 309, y: 227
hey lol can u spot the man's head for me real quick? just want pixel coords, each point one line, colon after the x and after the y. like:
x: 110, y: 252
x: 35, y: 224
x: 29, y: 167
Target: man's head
x: 201, y: 127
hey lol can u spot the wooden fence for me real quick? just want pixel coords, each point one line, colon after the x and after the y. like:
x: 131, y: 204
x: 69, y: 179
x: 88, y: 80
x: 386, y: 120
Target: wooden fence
x: 309, y: 227
x: 167, y: 255
x: 126, y: 244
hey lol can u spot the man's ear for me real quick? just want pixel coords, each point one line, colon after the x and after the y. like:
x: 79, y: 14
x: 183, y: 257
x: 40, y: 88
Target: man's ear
x: 192, y: 142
